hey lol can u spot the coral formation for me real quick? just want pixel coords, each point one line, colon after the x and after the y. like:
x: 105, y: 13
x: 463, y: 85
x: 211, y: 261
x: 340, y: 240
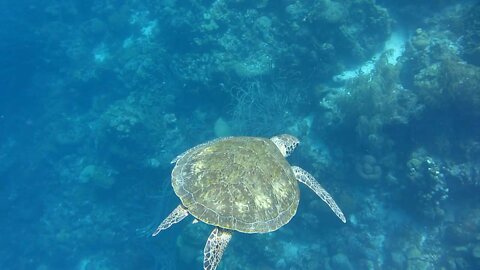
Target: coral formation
x: 368, y: 168
x: 369, y: 104
x: 428, y: 182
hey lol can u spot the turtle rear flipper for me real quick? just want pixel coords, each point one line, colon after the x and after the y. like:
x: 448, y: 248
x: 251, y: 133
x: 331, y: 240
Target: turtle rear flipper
x: 216, y: 244
x: 177, y: 215
x: 308, y: 179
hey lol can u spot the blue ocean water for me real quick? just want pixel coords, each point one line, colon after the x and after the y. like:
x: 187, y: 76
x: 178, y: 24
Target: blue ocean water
x: 98, y: 96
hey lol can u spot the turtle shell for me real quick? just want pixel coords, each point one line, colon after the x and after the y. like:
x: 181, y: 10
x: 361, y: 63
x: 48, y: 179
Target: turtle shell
x: 238, y: 183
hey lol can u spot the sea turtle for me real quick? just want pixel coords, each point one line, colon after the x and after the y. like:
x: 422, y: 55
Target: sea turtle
x: 240, y: 184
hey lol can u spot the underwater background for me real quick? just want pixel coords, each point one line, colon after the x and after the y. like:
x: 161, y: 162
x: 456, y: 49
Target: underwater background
x: 98, y: 96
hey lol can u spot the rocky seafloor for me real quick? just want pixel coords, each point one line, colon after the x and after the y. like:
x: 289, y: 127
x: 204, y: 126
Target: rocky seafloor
x: 99, y: 96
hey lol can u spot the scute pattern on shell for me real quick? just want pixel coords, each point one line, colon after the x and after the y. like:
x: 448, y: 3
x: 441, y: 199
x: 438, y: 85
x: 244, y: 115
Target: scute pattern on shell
x: 238, y: 183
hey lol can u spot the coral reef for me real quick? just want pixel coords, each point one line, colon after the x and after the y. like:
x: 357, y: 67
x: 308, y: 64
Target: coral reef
x: 428, y: 184
x: 368, y: 105
x: 466, y: 27
x: 106, y: 94
x: 368, y: 168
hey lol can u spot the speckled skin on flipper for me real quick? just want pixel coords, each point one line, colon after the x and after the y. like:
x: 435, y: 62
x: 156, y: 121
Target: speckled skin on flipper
x: 238, y: 183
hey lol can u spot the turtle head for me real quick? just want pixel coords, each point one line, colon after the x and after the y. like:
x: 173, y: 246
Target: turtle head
x: 285, y: 143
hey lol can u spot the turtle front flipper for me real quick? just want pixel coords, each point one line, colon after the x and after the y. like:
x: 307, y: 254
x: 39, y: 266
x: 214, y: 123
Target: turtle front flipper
x: 306, y: 178
x: 216, y: 244
x: 175, y: 216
